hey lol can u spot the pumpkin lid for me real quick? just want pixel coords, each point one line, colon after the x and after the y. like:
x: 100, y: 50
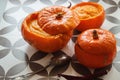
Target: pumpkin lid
x: 57, y: 19
x: 97, y: 41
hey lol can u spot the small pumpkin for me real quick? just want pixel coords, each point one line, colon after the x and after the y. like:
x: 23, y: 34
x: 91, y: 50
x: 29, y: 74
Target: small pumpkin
x: 95, y: 48
x: 91, y: 15
x: 49, y: 29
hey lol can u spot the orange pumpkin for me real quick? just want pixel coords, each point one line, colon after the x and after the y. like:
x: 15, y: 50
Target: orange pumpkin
x: 49, y: 29
x: 95, y: 48
x: 91, y: 15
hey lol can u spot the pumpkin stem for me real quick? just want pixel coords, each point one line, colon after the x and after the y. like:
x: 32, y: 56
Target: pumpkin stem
x: 70, y: 4
x: 95, y: 35
x: 59, y: 15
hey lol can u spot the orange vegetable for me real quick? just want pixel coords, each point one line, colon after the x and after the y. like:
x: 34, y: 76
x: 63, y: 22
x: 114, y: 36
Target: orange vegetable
x: 95, y: 48
x: 49, y: 29
x: 91, y: 15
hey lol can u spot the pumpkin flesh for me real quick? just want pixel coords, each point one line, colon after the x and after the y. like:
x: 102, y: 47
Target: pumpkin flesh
x: 86, y: 12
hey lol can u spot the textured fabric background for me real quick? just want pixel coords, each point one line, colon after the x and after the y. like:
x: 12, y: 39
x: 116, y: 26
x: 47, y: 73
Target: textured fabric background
x: 17, y: 57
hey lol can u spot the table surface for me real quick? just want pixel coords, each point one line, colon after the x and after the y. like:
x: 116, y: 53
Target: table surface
x: 18, y: 58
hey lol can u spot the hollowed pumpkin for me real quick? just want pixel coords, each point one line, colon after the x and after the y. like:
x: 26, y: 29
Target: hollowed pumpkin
x: 91, y: 15
x: 49, y: 29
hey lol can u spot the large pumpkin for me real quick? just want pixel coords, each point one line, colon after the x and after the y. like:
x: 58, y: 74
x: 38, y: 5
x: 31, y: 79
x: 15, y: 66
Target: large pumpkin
x: 91, y: 15
x: 49, y: 29
x: 95, y: 48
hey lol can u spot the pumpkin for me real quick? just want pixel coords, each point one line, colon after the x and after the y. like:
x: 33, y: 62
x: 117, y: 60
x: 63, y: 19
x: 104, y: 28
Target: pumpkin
x: 95, y: 48
x: 91, y: 15
x: 49, y: 29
